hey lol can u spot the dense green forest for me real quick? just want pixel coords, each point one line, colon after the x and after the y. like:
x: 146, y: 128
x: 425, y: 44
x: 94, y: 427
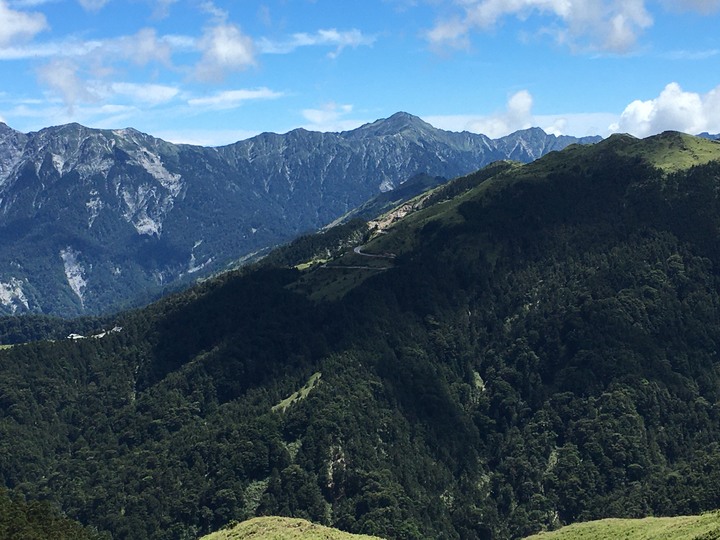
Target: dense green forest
x: 536, y: 346
x: 22, y: 520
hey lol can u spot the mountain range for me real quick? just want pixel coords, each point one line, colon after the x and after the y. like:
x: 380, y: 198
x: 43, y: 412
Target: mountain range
x: 515, y: 350
x: 91, y: 220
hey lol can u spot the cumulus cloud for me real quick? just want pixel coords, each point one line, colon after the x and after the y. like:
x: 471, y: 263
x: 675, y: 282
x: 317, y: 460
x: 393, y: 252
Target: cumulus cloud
x: 19, y: 25
x: 331, y: 37
x: 231, y: 99
x: 674, y: 109
x: 517, y: 115
x: 612, y: 25
x: 224, y: 48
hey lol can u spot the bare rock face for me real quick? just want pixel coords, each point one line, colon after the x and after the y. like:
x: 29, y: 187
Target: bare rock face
x: 92, y: 220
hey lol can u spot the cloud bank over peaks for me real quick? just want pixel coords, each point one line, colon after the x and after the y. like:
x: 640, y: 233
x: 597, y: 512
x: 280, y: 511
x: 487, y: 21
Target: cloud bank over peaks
x: 674, y: 109
x: 517, y: 115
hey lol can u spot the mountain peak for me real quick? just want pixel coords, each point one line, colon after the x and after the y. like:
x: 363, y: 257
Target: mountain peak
x: 394, y: 125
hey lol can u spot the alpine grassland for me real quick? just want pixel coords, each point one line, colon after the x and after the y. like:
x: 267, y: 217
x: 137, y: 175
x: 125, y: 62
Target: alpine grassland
x: 702, y: 527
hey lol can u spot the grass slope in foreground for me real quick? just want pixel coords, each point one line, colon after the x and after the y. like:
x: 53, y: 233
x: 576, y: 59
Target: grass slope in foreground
x: 280, y: 528
x: 702, y: 527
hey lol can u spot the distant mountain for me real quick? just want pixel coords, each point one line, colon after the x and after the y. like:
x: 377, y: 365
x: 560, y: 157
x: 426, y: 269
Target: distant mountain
x: 518, y: 349
x: 94, y: 219
x: 706, y: 135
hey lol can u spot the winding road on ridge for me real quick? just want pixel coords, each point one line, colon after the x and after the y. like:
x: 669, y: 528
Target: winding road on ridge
x: 358, y: 250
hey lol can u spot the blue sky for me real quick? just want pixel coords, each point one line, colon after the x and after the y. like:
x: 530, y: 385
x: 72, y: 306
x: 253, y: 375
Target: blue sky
x: 213, y: 72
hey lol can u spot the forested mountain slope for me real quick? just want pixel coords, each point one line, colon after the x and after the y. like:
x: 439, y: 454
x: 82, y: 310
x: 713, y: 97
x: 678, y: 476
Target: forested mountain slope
x: 92, y: 220
x: 526, y: 347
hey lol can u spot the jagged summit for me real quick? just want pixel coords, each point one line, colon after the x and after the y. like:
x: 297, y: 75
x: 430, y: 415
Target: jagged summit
x: 90, y: 218
x: 394, y: 125
x: 520, y: 348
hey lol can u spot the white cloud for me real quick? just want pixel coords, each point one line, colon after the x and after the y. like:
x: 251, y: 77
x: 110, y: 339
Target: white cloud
x: 162, y: 8
x: 61, y: 76
x: 19, y: 25
x: 31, y: 3
x: 692, y: 55
x: 612, y: 25
x: 450, y: 33
x: 99, y: 116
x: 219, y: 15
x: 517, y: 115
x: 339, y: 39
x: 674, y: 109
x: 231, y: 99
x: 141, y: 48
x: 577, y: 124
x: 80, y: 72
x: 331, y: 117
x: 93, y: 5
x: 224, y: 48
x: 49, y: 49
x: 149, y: 94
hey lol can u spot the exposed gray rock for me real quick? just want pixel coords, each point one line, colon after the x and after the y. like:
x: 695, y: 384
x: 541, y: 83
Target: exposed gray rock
x: 139, y: 213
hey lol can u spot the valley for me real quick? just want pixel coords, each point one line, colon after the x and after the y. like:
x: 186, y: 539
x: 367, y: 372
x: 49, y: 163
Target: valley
x: 532, y: 346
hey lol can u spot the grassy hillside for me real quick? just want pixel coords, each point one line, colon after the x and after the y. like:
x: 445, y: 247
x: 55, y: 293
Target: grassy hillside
x: 520, y: 349
x: 278, y: 528
x: 703, y: 527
